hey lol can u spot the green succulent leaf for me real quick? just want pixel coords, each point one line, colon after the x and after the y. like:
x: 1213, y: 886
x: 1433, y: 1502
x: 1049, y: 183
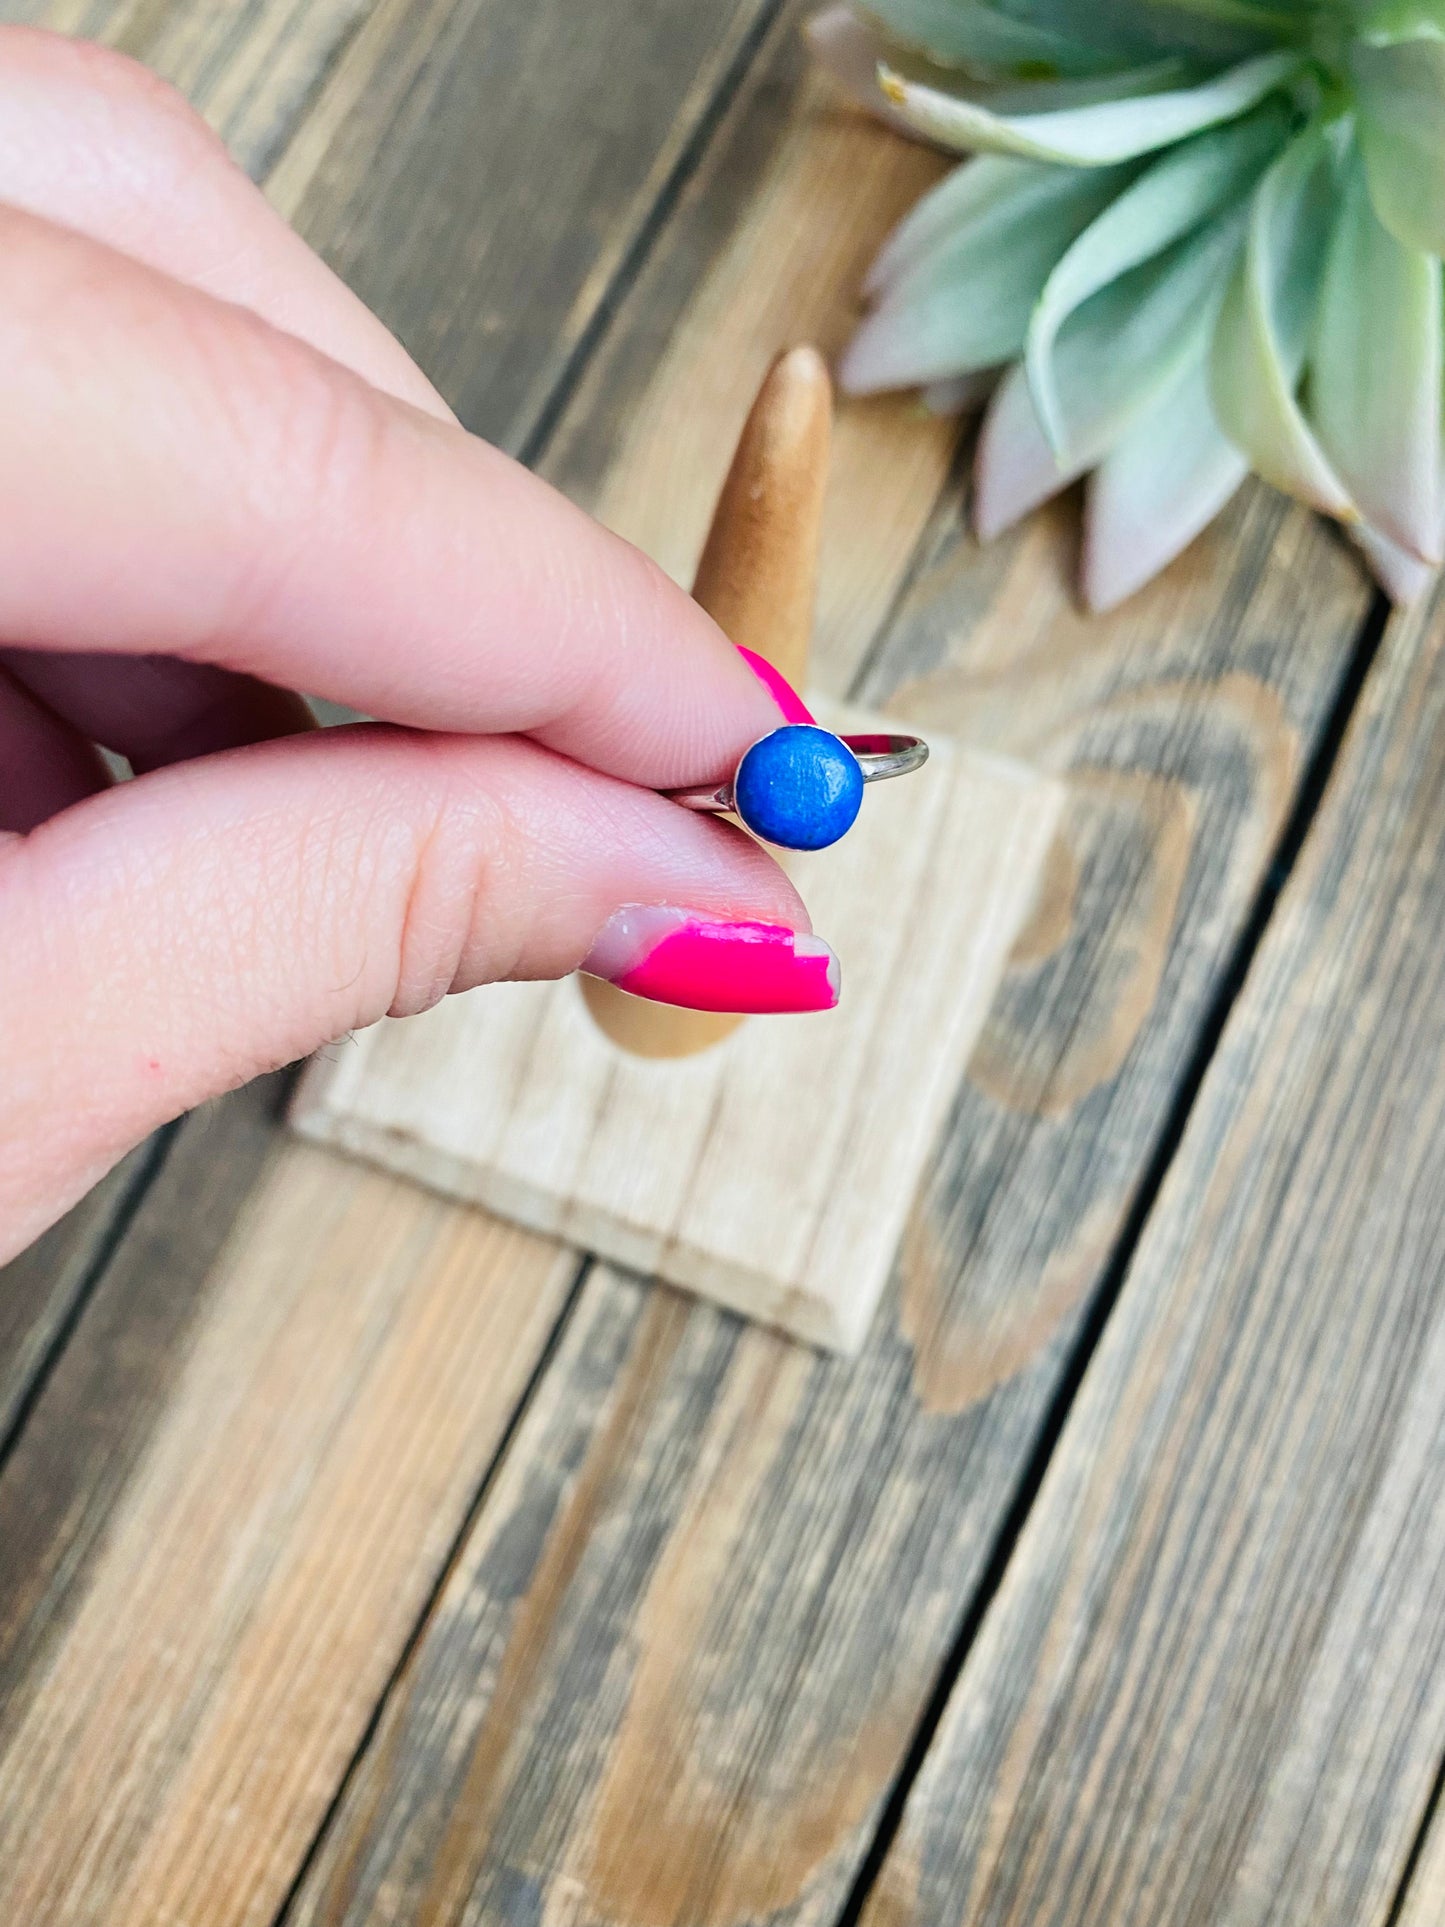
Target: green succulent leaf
x: 985, y: 203
x: 1062, y: 124
x: 1176, y: 195
x: 967, y: 33
x: 851, y: 49
x: 960, y: 280
x: 1403, y: 577
x: 1264, y: 326
x: 1128, y: 342
x: 1256, y: 282
x: 1133, y: 29
x: 1277, y: 19
x: 1384, y: 23
x: 1400, y: 111
x: 1163, y: 482
x: 1375, y: 381
x: 1113, y: 359
x: 1015, y: 469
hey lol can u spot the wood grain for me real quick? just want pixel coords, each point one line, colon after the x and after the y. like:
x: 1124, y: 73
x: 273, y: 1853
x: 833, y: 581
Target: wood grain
x: 1424, y: 1897
x: 768, y: 247
x: 680, y: 1662
x: 40, y: 1290
x: 480, y: 173
x: 1212, y: 1686
x: 251, y: 70
x: 457, y: 161
x: 227, y: 1511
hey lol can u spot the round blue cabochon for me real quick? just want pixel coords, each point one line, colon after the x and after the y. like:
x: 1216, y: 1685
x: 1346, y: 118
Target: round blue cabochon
x: 799, y: 787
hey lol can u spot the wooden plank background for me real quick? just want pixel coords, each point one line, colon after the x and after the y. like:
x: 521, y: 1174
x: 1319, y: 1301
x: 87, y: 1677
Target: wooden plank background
x: 355, y: 1568
x: 1212, y: 1684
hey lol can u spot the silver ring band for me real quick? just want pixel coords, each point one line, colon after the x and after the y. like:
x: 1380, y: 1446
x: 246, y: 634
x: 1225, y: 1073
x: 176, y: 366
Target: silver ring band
x: 879, y: 757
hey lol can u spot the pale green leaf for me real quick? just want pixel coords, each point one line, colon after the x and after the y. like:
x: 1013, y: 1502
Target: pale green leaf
x: 1133, y: 29
x: 967, y: 33
x: 965, y: 302
x: 1113, y: 360
x: 985, y: 205
x: 1374, y: 384
x: 1403, y: 576
x: 850, y: 49
x: 992, y: 189
x: 1127, y: 343
x: 1161, y: 484
x: 1055, y: 124
x: 1264, y: 326
x: 1400, y: 102
x: 1381, y: 23
x: 1275, y: 19
x: 1175, y: 196
x: 1015, y: 469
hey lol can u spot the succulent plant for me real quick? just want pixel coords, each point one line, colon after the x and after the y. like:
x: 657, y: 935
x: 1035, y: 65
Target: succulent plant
x: 1199, y: 237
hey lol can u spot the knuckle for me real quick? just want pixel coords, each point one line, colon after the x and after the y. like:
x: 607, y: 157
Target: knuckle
x: 454, y: 929
x: 304, y: 443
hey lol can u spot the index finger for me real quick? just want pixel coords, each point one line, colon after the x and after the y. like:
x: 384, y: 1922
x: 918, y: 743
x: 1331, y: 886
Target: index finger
x: 184, y: 478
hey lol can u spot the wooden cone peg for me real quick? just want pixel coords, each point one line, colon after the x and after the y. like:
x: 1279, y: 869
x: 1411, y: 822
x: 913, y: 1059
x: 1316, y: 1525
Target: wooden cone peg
x: 773, y: 1173
x: 757, y: 579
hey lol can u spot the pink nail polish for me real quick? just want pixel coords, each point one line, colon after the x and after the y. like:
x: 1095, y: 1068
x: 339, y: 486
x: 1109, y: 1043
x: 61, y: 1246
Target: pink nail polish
x: 793, y: 708
x: 682, y: 957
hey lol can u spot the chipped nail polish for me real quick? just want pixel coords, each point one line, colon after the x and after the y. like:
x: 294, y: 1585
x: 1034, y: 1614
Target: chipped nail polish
x: 683, y: 957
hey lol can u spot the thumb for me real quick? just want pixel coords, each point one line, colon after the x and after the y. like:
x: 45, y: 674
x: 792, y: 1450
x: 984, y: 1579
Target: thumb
x: 179, y: 934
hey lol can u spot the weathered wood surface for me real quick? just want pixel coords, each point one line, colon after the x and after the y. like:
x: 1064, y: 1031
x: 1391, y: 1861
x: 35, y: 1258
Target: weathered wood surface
x: 678, y: 1666
x: 730, y: 1615
x: 1423, y: 1898
x: 1212, y: 1685
x: 251, y: 70
x: 481, y: 173
x: 768, y: 246
x: 681, y: 1655
x: 41, y: 1290
x: 228, y: 1511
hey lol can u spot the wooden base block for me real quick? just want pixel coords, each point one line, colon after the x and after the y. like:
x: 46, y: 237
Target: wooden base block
x: 772, y: 1172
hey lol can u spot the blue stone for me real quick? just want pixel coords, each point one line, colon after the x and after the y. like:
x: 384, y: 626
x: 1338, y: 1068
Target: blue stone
x: 799, y: 787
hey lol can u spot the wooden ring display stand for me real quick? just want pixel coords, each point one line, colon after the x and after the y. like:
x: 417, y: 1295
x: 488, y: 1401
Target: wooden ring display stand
x: 757, y: 580
x: 768, y: 1163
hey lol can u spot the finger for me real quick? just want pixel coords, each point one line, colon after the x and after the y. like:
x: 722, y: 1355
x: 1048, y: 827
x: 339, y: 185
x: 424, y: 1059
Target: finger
x: 45, y: 766
x: 95, y: 141
x: 250, y: 504
x: 92, y: 139
x: 183, y: 932
x: 153, y: 710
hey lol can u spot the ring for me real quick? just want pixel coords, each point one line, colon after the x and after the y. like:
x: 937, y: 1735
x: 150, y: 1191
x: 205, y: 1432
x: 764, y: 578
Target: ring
x: 802, y: 787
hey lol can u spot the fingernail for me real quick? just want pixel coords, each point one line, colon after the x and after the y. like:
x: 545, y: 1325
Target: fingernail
x: 794, y: 709
x: 682, y: 957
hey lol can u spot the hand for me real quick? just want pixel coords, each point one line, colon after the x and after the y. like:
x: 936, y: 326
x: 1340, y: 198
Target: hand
x: 223, y: 481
